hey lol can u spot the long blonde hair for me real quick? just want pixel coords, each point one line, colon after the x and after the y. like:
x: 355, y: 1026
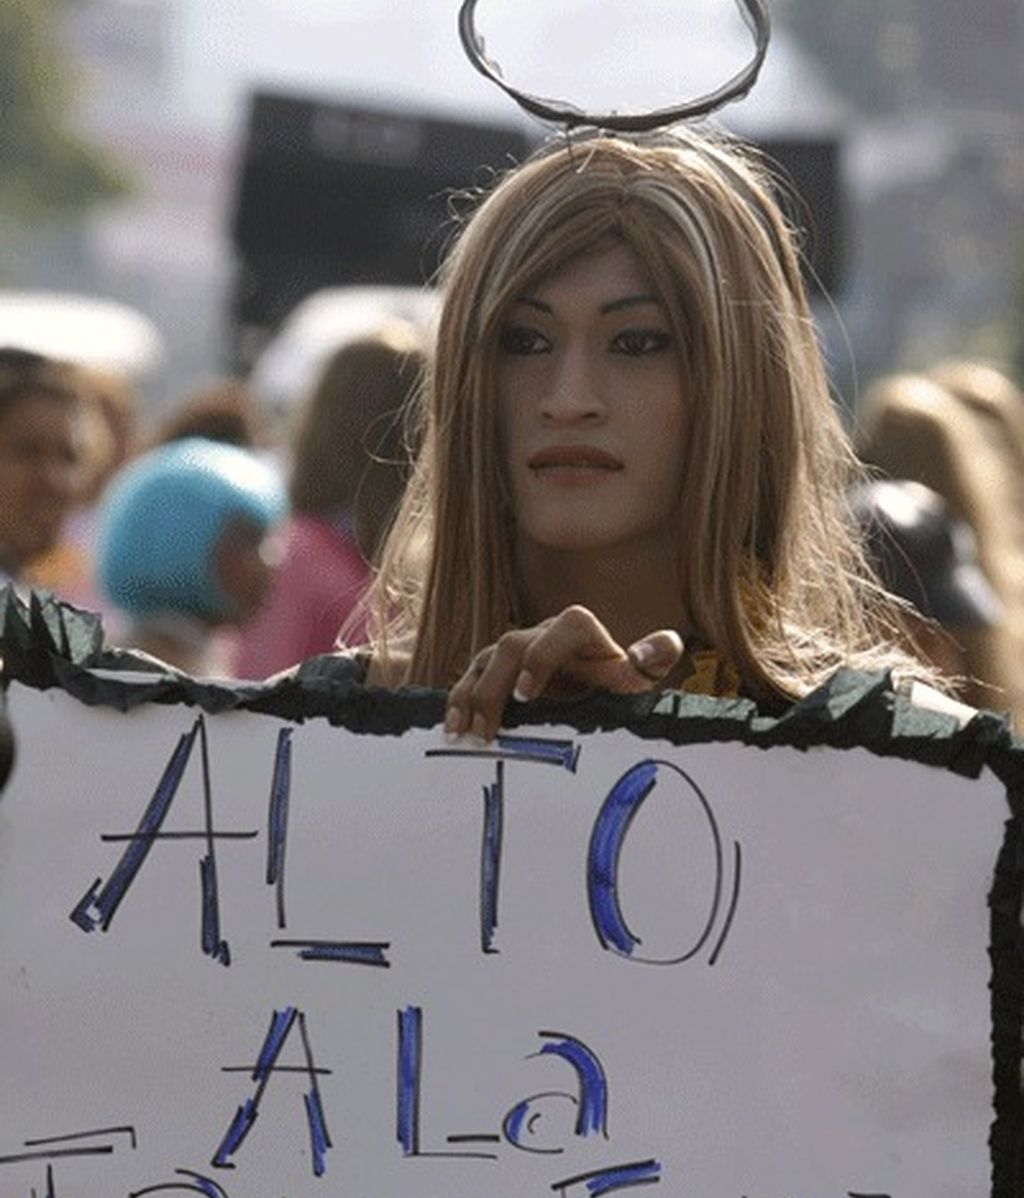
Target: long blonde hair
x: 775, y: 576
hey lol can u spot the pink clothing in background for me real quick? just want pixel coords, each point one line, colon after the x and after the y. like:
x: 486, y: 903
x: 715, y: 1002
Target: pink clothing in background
x: 322, y: 578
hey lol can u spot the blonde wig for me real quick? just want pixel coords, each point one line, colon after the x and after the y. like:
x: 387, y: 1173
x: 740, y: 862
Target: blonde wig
x: 774, y: 575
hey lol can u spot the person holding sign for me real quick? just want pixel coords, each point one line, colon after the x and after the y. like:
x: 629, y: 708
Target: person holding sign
x: 632, y: 472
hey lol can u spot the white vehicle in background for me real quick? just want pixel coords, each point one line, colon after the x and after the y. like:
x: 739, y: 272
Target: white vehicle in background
x: 291, y: 361
x: 92, y: 332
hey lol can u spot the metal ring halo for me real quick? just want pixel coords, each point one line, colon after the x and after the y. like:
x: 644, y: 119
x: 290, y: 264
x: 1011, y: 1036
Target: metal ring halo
x: 754, y: 14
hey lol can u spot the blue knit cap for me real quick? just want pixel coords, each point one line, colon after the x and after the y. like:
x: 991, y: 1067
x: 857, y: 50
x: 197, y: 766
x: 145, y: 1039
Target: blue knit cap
x: 161, y: 520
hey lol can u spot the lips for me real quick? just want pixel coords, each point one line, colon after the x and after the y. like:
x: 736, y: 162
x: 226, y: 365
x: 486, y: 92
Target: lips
x: 574, y: 457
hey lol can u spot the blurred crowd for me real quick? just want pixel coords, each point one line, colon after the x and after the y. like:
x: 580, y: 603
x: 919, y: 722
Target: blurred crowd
x: 226, y: 538
x: 233, y: 538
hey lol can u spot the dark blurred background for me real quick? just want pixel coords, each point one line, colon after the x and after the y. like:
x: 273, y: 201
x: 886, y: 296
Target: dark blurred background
x: 210, y: 162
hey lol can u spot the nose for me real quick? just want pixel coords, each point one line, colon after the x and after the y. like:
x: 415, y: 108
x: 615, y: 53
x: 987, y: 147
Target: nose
x: 574, y: 392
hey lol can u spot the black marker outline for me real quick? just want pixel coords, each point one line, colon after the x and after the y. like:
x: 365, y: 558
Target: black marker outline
x: 174, y: 1185
x: 101, y: 901
x: 319, y: 1070
x: 540, y: 750
x: 492, y: 840
x: 281, y: 1025
x: 110, y: 897
x: 408, y: 1092
x: 127, y: 1130
x: 604, y: 850
x: 340, y: 952
x: 277, y: 819
x: 537, y: 750
x: 737, y: 873
x: 57, y: 1154
x: 510, y: 1133
x: 650, y: 1163
x: 118, y: 837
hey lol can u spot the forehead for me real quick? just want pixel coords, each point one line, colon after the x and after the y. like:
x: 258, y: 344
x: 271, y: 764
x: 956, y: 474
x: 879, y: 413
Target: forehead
x: 606, y: 273
x: 39, y: 412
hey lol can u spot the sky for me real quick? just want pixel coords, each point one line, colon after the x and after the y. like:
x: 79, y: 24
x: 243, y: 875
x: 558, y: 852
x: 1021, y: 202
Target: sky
x: 611, y: 54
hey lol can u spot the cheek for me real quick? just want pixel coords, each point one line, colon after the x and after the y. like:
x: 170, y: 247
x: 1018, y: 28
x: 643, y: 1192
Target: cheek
x: 666, y: 429
x: 65, y: 482
x: 10, y: 478
x: 25, y: 489
x: 666, y: 457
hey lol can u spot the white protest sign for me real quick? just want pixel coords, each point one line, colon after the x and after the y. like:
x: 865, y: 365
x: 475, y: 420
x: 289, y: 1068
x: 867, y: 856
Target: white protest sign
x: 251, y: 959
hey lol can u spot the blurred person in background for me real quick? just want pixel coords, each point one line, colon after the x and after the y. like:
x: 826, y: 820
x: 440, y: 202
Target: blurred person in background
x: 928, y: 559
x: 221, y: 411
x: 349, y: 469
x: 117, y: 403
x: 986, y: 391
x: 41, y: 453
x: 995, y: 407
x: 914, y: 426
x: 185, y: 549
x: 109, y: 418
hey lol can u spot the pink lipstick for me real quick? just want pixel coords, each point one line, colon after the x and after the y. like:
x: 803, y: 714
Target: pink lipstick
x: 574, y: 457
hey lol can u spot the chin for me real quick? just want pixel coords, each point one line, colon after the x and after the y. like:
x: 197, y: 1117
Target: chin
x: 576, y: 538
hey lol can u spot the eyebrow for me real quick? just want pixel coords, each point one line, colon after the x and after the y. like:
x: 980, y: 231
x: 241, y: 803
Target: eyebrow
x: 615, y: 305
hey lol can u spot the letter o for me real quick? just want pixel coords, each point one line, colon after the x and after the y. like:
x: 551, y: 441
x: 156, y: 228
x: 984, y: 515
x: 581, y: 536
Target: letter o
x: 607, y: 838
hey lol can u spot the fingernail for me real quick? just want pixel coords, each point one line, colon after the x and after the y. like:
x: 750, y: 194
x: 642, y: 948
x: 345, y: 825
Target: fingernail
x: 479, y: 728
x: 640, y: 653
x: 452, y: 722
x: 523, y: 690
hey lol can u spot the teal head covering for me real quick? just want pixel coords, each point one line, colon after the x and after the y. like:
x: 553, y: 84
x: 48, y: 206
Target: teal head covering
x: 162, y: 518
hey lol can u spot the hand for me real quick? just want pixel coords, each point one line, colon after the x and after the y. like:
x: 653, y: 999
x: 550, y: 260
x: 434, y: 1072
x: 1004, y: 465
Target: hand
x: 569, y: 653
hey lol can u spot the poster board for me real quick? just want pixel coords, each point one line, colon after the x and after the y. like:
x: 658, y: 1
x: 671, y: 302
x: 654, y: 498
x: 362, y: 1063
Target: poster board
x: 248, y: 955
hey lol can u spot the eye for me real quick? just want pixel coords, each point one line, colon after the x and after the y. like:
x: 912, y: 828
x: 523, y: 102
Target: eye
x: 634, y: 343
x: 522, y: 340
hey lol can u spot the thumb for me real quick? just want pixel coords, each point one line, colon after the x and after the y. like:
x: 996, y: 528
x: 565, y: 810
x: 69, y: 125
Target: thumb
x: 656, y: 655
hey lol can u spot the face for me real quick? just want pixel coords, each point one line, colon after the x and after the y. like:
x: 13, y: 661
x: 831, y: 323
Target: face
x: 246, y: 558
x: 592, y: 409
x: 40, y: 476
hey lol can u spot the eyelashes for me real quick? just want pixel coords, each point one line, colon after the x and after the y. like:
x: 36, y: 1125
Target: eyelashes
x: 636, y: 343
x: 519, y: 340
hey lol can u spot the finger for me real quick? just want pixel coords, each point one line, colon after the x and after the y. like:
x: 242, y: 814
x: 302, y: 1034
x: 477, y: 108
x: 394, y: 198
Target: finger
x: 495, y: 684
x: 458, y: 709
x: 476, y: 702
x: 646, y: 664
x: 572, y: 645
x: 656, y: 655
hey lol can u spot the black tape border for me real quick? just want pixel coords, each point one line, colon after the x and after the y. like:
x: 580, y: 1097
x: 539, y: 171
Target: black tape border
x: 1006, y: 1138
x: 46, y: 644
